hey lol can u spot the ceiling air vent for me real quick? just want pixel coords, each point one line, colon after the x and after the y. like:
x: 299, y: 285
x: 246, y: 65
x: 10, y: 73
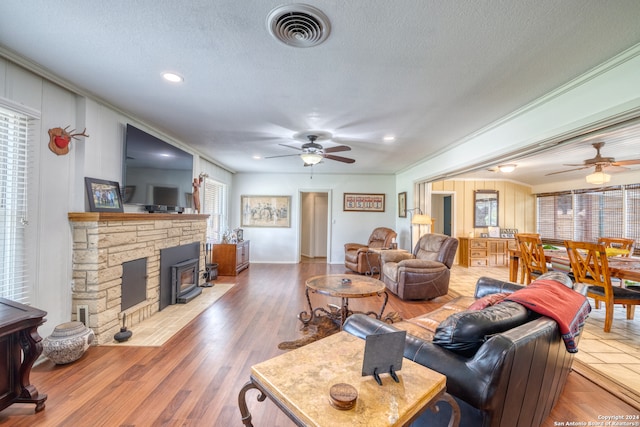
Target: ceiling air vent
x: 298, y: 25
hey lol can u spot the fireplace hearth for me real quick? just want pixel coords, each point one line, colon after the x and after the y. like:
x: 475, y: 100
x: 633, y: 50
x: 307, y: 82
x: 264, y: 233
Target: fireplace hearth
x: 184, y: 281
x: 105, y: 242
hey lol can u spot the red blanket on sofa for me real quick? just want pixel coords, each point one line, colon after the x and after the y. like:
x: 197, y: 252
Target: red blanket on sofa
x: 549, y: 298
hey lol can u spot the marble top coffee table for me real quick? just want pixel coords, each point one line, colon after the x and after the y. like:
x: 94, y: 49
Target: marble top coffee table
x: 298, y: 382
x: 343, y: 286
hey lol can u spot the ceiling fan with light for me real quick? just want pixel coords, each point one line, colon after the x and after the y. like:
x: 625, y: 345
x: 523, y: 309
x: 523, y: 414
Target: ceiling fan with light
x: 601, y: 164
x: 313, y: 153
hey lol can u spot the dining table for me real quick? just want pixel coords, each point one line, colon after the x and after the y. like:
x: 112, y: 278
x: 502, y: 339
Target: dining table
x: 621, y: 267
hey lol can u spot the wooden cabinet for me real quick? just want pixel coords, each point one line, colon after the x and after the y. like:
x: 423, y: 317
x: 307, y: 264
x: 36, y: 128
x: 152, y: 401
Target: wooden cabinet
x: 231, y: 258
x: 20, y: 346
x: 485, y: 252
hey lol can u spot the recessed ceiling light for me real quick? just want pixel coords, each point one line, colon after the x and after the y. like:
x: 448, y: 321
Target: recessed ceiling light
x: 389, y: 138
x: 172, y: 77
x: 257, y: 157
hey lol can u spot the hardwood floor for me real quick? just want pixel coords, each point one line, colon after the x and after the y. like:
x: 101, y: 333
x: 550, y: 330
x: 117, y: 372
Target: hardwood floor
x: 194, y: 379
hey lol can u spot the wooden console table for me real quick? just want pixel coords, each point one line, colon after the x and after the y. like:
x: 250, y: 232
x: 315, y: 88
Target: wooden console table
x: 20, y: 346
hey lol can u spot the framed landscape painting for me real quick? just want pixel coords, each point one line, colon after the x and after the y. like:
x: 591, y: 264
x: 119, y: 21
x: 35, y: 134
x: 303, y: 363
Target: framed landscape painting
x: 103, y: 196
x: 265, y: 211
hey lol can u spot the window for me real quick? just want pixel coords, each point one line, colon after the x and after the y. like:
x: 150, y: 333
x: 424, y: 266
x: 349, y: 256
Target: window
x: 14, y: 159
x: 214, y: 204
x: 586, y: 215
x: 632, y: 211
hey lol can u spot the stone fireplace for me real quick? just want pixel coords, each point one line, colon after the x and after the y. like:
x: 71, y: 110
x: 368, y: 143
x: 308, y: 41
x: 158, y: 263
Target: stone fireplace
x: 103, y: 242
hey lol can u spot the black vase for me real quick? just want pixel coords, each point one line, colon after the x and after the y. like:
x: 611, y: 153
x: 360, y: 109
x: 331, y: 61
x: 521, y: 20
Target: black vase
x: 124, y: 334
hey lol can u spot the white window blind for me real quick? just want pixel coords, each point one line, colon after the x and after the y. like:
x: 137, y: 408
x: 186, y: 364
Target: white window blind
x: 214, y: 204
x: 14, y: 160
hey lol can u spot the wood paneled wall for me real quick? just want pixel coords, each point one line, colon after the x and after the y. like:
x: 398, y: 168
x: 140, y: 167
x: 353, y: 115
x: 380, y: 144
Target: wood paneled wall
x: 516, y: 204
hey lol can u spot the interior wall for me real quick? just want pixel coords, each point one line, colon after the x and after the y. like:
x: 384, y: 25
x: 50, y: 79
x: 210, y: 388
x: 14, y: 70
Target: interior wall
x: 306, y: 225
x: 57, y: 183
x: 320, y: 228
x: 283, y: 245
x: 516, y: 204
x: 437, y: 212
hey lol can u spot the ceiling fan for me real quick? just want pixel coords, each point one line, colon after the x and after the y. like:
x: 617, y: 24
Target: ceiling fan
x: 313, y: 153
x: 599, y: 162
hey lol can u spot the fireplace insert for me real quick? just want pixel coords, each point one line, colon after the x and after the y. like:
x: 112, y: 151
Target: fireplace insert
x: 184, y: 281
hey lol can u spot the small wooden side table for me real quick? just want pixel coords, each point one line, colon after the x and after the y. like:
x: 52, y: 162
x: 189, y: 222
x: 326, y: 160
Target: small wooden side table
x: 298, y: 382
x: 377, y: 269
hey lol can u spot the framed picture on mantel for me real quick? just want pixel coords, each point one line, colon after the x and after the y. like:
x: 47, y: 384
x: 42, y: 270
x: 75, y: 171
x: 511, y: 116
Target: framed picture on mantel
x: 103, y: 196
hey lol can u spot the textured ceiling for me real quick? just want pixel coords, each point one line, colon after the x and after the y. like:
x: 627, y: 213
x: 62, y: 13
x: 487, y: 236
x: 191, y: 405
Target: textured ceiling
x: 427, y: 72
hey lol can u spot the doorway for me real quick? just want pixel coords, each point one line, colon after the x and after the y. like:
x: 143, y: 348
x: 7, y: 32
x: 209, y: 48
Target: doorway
x: 443, y: 212
x: 314, y: 226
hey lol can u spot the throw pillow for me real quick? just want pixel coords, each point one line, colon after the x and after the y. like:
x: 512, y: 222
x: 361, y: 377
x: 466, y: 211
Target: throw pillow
x: 464, y: 332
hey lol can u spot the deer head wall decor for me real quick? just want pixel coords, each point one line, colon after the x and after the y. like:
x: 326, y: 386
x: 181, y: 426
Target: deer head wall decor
x: 59, y: 139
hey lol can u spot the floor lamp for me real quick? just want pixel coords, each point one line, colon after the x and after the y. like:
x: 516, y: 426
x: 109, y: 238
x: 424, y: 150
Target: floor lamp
x: 419, y: 219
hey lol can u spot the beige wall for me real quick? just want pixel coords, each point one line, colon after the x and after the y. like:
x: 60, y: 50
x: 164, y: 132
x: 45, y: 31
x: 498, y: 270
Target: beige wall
x: 516, y: 204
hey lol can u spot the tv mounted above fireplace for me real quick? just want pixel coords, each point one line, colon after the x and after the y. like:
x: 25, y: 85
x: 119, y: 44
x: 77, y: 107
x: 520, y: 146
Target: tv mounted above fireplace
x: 155, y: 172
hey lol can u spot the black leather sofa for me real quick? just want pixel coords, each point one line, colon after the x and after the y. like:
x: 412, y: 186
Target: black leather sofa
x: 511, y: 378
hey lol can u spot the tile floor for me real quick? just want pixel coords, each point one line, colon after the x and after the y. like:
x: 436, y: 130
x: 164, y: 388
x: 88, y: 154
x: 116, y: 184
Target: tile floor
x: 616, y: 354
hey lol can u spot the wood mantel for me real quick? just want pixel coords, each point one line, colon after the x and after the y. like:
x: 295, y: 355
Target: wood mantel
x: 132, y: 216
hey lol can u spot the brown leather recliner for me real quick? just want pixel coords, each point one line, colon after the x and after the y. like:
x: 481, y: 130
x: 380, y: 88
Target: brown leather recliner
x: 423, y: 274
x: 357, y: 256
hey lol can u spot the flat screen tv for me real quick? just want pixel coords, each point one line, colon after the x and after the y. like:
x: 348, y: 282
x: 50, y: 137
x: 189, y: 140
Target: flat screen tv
x: 155, y: 172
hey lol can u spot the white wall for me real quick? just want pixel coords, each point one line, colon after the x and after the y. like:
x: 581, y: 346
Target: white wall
x: 57, y: 185
x: 282, y: 245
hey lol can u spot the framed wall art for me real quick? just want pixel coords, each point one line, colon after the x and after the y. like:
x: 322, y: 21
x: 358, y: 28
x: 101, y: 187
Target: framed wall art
x: 402, y: 204
x: 104, y: 196
x: 265, y: 211
x: 363, y: 202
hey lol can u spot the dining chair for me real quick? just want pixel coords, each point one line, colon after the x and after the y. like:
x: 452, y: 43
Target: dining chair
x: 618, y: 246
x: 621, y: 246
x: 590, y: 266
x: 532, y: 256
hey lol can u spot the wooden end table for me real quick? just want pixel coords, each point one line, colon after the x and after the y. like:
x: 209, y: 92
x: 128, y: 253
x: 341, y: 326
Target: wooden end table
x: 298, y: 382
x: 20, y: 346
x: 377, y: 269
x: 334, y: 285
